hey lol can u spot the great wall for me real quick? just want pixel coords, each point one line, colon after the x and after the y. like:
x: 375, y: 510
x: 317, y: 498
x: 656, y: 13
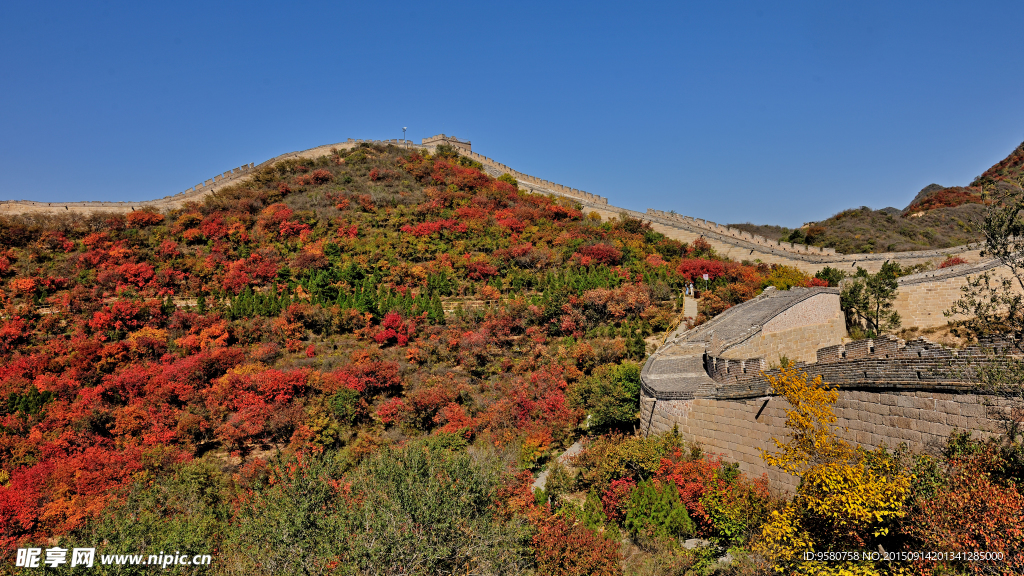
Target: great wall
x: 710, y: 382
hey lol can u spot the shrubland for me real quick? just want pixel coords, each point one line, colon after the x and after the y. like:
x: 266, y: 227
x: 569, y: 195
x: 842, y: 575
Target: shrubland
x: 355, y: 364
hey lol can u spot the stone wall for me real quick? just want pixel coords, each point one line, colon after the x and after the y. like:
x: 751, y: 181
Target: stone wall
x: 739, y: 428
x: 797, y: 333
x: 890, y: 392
x: 807, y: 258
x: 922, y: 298
x: 799, y: 344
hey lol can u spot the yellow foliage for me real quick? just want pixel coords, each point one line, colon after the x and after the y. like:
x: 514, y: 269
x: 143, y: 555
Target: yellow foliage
x: 782, y: 539
x: 810, y: 423
x: 853, y: 490
x: 784, y: 542
x: 856, y: 495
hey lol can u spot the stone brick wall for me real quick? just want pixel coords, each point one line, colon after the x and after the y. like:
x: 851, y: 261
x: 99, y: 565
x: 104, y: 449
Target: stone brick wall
x: 869, y: 417
x: 797, y: 333
x: 807, y: 258
x: 922, y: 298
x: 797, y: 344
x: 890, y: 391
x: 465, y: 145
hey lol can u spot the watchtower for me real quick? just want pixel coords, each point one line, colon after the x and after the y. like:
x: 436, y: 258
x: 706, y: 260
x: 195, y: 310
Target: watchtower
x: 449, y: 140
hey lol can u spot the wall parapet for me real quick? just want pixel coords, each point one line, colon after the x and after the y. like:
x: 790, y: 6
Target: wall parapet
x: 814, y: 254
x: 884, y: 363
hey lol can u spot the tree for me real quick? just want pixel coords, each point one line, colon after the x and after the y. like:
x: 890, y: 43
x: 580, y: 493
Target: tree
x: 655, y: 512
x: 611, y: 395
x: 848, y: 497
x: 831, y: 275
x: 869, y: 298
x: 993, y: 305
x: 506, y: 177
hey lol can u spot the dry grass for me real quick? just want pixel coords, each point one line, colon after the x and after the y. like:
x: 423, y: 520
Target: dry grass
x: 863, y: 230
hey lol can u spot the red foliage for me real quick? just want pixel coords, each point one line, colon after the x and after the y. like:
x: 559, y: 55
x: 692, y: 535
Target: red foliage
x: 392, y: 411
x: 480, y: 269
x: 321, y: 176
x: 139, y: 274
x: 947, y: 198
x: 454, y: 419
x: 694, y: 269
x: 62, y: 491
x: 315, y: 178
x: 386, y: 174
x: 346, y: 231
x: 600, y: 254
x: 394, y: 330
x: 254, y: 406
x: 975, y: 513
x: 12, y: 333
x: 574, y: 550
x: 507, y: 219
x: 427, y: 228
x: 364, y: 375
x: 465, y: 178
x: 616, y: 496
x: 168, y: 249
x: 952, y: 261
x: 140, y: 218
x: 242, y: 273
x: 121, y: 315
x: 559, y: 212
x: 692, y: 478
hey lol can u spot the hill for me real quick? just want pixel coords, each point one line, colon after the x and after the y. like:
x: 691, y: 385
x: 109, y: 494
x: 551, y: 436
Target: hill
x: 261, y: 373
x: 937, y: 217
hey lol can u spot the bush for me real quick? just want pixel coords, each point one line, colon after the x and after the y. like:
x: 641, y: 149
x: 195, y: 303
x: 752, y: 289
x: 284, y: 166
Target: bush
x: 427, y: 509
x: 611, y: 396
x: 831, y: 275
x: 506, y: 177
x: 346, y: 405
x: 655, y: 512
x: 564, y: 549
x: 181, y: 510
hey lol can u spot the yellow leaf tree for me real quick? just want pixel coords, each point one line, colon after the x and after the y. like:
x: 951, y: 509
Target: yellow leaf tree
x: 847, y: 495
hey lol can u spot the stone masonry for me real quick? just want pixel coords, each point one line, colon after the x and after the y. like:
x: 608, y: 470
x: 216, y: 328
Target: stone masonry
x: 739, y: 428
x: 890, y: 391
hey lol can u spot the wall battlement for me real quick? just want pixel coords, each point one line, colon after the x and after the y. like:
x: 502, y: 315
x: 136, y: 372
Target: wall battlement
x: 883, y: 363
x: 889, y: 392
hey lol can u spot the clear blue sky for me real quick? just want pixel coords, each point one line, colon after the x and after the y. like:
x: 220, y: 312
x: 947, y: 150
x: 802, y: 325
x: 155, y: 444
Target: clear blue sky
x: 772, y: 112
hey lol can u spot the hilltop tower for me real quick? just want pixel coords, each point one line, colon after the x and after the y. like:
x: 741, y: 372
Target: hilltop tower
x: 449, y: 140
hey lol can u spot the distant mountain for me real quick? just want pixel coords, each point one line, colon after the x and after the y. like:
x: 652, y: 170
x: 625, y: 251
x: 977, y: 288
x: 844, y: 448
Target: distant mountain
x: 937, y: 217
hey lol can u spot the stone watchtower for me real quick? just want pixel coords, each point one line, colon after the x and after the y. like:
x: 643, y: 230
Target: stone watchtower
x: 449, y: 140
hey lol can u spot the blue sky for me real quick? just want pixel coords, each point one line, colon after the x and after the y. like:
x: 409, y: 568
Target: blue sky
x: 781, y: 113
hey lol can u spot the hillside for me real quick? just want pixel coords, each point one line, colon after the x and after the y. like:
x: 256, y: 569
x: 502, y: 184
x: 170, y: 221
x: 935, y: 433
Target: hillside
x: 359, y: 363
x: 292, y: 344
x: 937, y: 217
